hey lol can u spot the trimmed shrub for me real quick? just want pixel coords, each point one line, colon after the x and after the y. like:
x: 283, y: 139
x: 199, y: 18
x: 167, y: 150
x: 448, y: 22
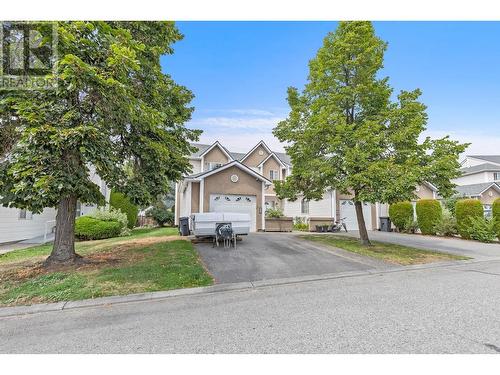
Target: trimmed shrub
x: 401, y: 213
x: 447, y: 226
x: 110, y: 215
x: 496, y: 215
x: 482, y: 229
x: 464, y: 210
x: 89, y: 228
x: 122, y: 202
x: 429, y: 213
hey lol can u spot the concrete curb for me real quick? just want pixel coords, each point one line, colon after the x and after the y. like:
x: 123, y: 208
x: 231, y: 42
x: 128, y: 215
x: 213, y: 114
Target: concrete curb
x: 152, y: 296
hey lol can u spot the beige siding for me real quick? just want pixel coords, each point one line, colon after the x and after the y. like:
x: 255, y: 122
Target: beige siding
x: 220, y: 183
x: 270, y: 164
x: 195, y: 197
x: 424, y: 192
x: 486, y: 198
x: 254, y: 159
x: 215, y: 155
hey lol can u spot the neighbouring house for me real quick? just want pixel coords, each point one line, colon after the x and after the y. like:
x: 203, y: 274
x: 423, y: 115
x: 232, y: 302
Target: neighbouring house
x: 19, y: 224
x: 480, y: 179
x: 226, y: 181
x: 424, y: 191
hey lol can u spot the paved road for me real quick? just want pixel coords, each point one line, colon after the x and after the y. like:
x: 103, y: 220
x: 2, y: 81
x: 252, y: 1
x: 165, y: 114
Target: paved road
x: 262, y: 256
x: 440, y: 310
x: 474, y: 249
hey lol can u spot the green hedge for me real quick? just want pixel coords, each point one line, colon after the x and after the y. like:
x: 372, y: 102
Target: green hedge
x: 496, y: 215
x: 89, y: 228
x: 429, y: 213
x: 464, y: 210
x: 122, y: 202
x: 401, y: 213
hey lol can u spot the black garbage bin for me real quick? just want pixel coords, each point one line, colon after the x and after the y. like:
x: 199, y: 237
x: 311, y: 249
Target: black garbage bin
x: 184, y: 226
x: 385, y: 224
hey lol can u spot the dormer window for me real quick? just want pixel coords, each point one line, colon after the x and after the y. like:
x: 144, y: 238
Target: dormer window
x: 496, y: 176
x: 273, y: 175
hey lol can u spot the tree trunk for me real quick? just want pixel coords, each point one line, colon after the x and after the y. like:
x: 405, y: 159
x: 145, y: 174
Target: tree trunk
x: 363, y: 233
x: 63, y: 250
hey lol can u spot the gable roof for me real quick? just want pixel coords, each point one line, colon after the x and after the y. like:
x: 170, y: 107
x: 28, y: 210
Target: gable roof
x: 203, y: 148
x: 489, y: 158
x: 430, y: 186
x: 216, y: 144
x: 234, y: 163
x: 479, y: 168
x: 261, y: 143
x: 272, y: 155
x: 476, y: 189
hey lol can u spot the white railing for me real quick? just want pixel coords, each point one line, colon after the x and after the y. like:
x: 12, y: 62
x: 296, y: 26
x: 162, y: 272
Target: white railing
x: 45, y: 231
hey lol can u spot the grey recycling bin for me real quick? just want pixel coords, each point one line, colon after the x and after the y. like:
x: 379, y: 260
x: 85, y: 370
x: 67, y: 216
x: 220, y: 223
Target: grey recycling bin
x: 385, y: 224
x: 184, y: 226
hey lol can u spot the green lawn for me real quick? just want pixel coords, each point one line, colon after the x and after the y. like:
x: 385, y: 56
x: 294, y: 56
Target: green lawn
x: 148, y: 260
x: 388, y: 252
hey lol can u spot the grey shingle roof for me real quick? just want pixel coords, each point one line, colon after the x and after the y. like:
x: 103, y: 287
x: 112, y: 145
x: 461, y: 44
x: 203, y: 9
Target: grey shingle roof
x: 490, y: 158
x: 235, y: 155
x: 474, y: 189
x: 201, y: 149
x: 480, y: 168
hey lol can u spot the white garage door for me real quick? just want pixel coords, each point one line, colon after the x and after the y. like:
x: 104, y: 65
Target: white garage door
x: 246, y: 204
x: 348, y: 211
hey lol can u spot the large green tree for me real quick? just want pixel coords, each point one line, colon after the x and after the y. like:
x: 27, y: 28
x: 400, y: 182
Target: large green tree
x: 345, y: 132
x: 113, y: 110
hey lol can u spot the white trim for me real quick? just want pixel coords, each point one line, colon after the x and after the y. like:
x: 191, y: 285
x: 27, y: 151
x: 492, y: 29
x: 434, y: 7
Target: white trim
x: 176, y: 208
x: 202, y: 196
x: 272, y: 154
x: 494, y: 184
x: 334, y: 204
x: 377, y: 213
x: 263, y: 210
x: 430, y: 186
x: 255, y: 147
x: 234, y: 163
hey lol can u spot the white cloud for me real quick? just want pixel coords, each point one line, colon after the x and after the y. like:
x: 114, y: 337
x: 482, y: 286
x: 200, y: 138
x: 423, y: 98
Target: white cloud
x: 240, y: 142
x: 266, y: 123
x: 481, y: 143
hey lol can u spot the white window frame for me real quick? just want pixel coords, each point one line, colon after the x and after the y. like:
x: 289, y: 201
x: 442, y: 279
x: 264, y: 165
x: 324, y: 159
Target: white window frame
x: 274, y: 174
x: 496, y: 176
x: 24, y: 214
x: 304, y: 206
x: 211, y: 165
x: 487, y: 210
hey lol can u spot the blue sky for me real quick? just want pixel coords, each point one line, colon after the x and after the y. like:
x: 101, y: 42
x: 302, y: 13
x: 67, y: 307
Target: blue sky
x: 240, y: 71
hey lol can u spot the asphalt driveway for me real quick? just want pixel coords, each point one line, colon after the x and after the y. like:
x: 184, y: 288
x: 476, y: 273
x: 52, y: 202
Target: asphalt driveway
x: 264, y: 256
x: 473, y: 249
